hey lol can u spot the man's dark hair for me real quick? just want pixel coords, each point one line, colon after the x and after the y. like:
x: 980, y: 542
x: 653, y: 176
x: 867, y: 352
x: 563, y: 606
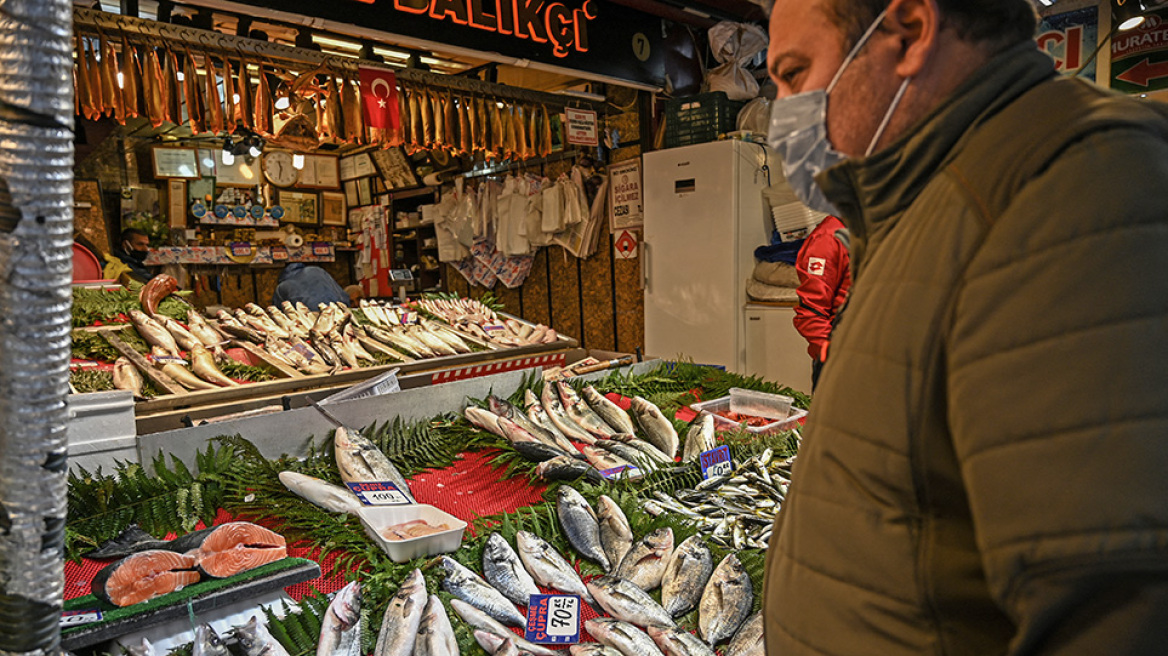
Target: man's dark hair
x: 128, y: 233
x: 998, y: 24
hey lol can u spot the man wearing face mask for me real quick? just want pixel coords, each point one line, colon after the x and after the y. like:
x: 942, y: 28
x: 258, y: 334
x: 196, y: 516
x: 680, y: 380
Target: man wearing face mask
x: 983, y: 469
x: 132, y: 249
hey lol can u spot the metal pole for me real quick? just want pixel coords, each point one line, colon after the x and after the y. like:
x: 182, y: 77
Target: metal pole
x: 36, y: 228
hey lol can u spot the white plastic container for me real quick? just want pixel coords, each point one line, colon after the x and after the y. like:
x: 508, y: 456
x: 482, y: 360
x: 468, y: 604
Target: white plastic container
x: 722, y: 404
x: 375, y: 519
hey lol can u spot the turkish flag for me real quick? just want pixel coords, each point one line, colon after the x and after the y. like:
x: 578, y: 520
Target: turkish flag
x: 379, y: 95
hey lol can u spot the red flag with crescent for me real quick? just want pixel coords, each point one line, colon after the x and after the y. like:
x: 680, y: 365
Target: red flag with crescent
x: 379, y: 95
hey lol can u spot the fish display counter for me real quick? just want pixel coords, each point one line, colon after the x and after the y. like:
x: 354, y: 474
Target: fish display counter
x: 668, y: 561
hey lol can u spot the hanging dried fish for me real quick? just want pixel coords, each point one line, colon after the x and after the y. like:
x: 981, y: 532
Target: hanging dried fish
x: 131, y: 80
x: 263, y: 106
x: 109, y: 61
x: 229, y: 96
x: 106, y: 67
x: 83, y: 81
x: 465, y: 139
x: 93, y: 67
x: 508, y: 131
x: 153, y: 88
x: 214, y: 102
x: 546, y: 127
x: 417, y: 129
x: 354, y: 116
x: 402, y: 136
x: 427, y: 118
x: 450, y: 122
x: 533, y: 131
x: 336, y: 119
x: 243, y: 107
x: 174, y: 99
x: 483, y: 130
x: 522, y: 149
x: 497, y: 131
x: 196, y: 114
x: 439, y: 121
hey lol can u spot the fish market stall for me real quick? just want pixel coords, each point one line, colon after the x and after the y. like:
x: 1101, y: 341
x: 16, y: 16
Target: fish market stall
x: 658, y: 557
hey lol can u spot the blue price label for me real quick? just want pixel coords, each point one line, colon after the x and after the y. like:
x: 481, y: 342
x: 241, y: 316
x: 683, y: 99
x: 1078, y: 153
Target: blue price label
x: 79, y: 617
x: 623, y: 471
x: 716, y: 462
x: 379, y: 493
x: 553, y: 619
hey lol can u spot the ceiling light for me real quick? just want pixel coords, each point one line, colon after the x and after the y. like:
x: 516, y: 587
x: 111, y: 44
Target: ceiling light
x: 228, y: 158
x: 121, y: 81
x: 283, y: 103
x: 298, y: 161
x: 1129, y: 24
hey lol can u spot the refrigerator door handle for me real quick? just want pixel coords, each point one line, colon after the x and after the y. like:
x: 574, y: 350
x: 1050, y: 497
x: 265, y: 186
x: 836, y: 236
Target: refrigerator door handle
x: 645, y: 265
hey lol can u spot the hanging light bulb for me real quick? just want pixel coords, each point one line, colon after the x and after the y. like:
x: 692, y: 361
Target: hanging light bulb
x: 235, y: 98
x: 254, y: 151
x: 182, y: 76
x: 298, y: 161
x: 121, y: 81
x: 283, y: 103
x: 228, y: 158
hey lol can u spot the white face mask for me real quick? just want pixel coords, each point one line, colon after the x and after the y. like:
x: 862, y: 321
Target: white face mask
x: 798, y: 133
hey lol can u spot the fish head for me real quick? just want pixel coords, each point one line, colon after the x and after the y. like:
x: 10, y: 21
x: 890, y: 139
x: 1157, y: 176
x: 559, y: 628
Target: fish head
x: 528, y: 542
x: 248, y: 635
x: 529, y: 398
x: 488, y: 641
x: 208, y: 643
x: 414, y: 582
x: 497, y: 547
x: 661, y: 540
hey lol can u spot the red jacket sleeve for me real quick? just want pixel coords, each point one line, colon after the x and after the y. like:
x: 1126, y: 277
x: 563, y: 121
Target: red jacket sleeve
x: 824, y: 278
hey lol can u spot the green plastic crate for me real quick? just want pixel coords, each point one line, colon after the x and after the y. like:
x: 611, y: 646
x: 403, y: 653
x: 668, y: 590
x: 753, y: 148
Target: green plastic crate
x: 700, y: 118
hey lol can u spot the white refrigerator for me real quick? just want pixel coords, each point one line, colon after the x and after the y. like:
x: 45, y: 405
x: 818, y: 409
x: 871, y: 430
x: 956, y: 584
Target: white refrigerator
x: 704, y: 216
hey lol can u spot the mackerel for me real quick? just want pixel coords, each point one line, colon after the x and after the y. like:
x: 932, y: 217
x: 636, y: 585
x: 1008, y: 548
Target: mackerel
x: 614, y: 415
x: 686, y: 573
x: 403, y: 616
x: 480, y: 620
x: 471, y: 588
x: 644, y: 564
x: 503, y: 570
x: 580, y: 525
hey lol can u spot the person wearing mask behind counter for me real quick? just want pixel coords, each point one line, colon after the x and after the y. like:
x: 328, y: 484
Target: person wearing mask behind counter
x: 824, y: 280
x: 307, y: 284
x: 983, y: 467
x: 129, y: 256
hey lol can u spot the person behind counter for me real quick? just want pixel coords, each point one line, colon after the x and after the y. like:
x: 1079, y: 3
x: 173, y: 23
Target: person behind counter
x: 129, y: 256
x: 307, y: 284
x: 824, y: 280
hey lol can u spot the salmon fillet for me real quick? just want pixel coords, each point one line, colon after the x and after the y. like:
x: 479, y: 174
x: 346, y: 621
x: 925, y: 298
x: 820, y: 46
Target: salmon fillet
x: 236, y: 547
x: 144, y: 575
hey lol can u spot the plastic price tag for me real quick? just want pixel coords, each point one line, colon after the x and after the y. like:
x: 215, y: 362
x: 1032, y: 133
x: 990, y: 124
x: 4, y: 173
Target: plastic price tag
x: 553, y: 619
x: 716, y: 462
x: 379, y: 493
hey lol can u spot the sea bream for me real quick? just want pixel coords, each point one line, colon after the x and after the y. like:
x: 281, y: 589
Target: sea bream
x: 644, y: 564
x: 479, y: 620
x: 256, y: 640
x: 503, y: 569
x: 471, y: 588
x: 624, y: 637
x: 659, y: 431
x: 628, y: 603
x: 748, y: 641
x: 548, y: 567
x: 686, y: 574
x: 699, y: 438
x: 435, y: 634
x: 340, y: 633
x: 726, y: 601
x: 616, y: 536
x: 403, y: 616
x: 580, y: 525
x: 359, y: 461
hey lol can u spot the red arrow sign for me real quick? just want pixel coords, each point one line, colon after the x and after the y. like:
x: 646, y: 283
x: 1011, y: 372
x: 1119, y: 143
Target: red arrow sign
x: 1143, y: 72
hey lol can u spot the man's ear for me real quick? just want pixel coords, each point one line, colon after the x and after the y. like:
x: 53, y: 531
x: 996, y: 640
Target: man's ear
x: 917, y: 25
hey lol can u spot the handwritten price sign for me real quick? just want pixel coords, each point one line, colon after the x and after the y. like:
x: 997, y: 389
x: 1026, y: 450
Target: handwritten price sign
x: 553, y: 619
x: 379, y: 493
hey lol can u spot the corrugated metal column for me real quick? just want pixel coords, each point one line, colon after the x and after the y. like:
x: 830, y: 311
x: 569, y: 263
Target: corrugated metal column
x: 36, y: 226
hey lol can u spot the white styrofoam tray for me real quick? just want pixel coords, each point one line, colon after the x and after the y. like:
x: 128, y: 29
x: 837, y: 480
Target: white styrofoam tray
x: 722, y: 404
x: 377, y: 518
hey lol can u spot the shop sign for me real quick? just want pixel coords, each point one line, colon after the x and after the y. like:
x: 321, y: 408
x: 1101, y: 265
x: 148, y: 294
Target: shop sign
x: 1139, y: 57
x: 1069, y: 38
x: 581, y: 127
x: 625, y: 184
x: 553, y: 619
x: 596, y: 36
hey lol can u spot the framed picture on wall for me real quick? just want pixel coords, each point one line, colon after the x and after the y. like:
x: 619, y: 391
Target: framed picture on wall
x: 351, y: 194
x: 180, y: 163
x: 299, y: 206
x: 332, y: 208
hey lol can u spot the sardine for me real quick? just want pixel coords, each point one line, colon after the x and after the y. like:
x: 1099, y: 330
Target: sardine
x: 504, y: 571
x: 399, y: 626
x: 203, y: 364
x: 320, y: 492
x: 567, y: 468
x: 548, y: 567
x: 340, y: 632
x: 127, y: 377
x: 256, y: 640
x: 580, y: 525
x: 580, y: 413
x: 471, y: 588
x: 614, y: 415
x: 435, y: 634
x: 154, y: 333
x: 555, y: 411
x: 626, y: 638
x: 686, y: 573
x: 616, y: 536
x: 676, y: 642
x: 628, y: 603
x: 479, y: 620
x: 644, y: 564
x: 659, y: 431
x: 726, y: 601
x: 699, y: 438
x: 208, y: 643
x: 359, y: 460
x: 748, y: 641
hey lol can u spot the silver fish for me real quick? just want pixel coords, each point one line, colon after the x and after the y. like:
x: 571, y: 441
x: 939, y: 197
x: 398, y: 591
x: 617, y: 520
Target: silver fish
x: 484, y: 419
x: 628, y: 453
x: 593, y: 649
x: 127, y: 377
x: 208, y: 643
x: 142, y: 649
x: 340, y: 633
x: 503, y: 570
x: 539, y: 416
x: 203, y: 330
x: 686, y: 574
x: 659, y: 431
x: 480, y: 620
x: 644, y: 565
x: 580, y: 413
x: 203, y: 365
x: 748, y: 641
x: 359, y: 460
x: 506, y: 410
x: 580, y: 525
x: 624, y: 637
x: 496, y: 645
x: 614, y: 415
x: 435, y: 634
x: 256, y: 640
x: 559, y: 416
x: 603, y: 459
x: 699, y: 438
x: 548, y: 567
x: 181, y: 335
x: 322, y: 493
x: 567, y: 468
x: 628, y: 603
x: 471, y: 588
x: 726, y: 601
x: 655, y: 455
x: 154, y: 333
x: 399, y: 628
x: 616, y: 536
x: 675, y: 642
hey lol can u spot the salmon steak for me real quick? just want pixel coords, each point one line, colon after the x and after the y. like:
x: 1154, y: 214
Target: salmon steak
x: 144, y: 575
x: 228, y: 549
